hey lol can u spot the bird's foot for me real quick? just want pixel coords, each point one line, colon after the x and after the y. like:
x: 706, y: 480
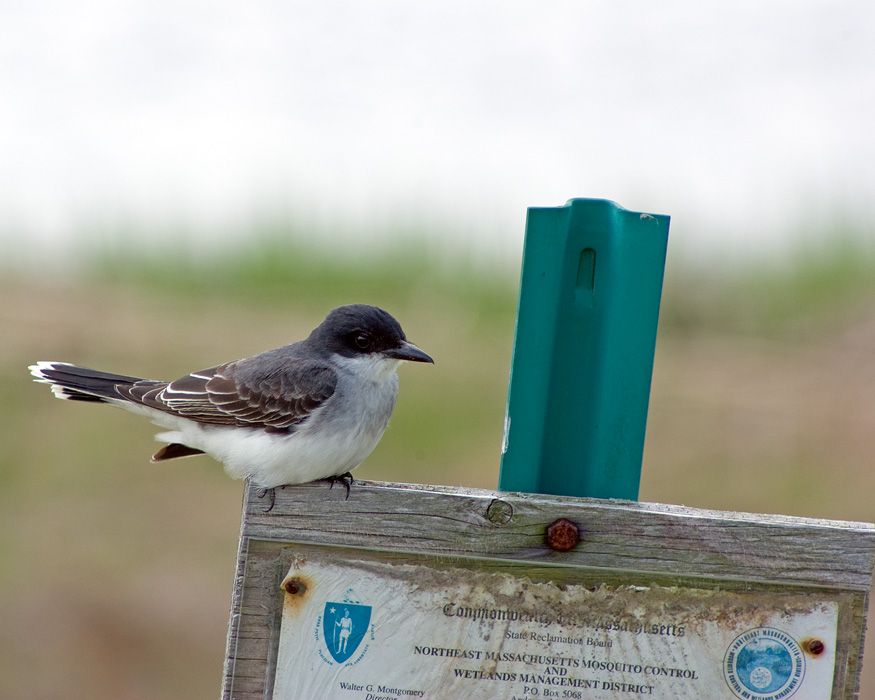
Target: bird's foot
x: 345, y: 479
x: 272, y: 495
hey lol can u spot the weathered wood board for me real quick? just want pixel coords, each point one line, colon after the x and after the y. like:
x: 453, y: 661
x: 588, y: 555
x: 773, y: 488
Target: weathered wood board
x: 418, y: 591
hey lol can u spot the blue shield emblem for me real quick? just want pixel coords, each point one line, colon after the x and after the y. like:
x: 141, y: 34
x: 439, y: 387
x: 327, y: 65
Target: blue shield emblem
x: 344, y: 626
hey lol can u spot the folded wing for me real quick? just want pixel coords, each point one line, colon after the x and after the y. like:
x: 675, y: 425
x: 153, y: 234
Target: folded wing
x: 277, y: 401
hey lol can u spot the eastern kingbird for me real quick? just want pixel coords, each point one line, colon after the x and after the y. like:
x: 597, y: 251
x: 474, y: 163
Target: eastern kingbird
x: 311, y: 410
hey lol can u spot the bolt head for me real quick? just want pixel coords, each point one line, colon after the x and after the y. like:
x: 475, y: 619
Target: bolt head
x: 815, y: 647
x: 295, y: 586
x: 562, y: 535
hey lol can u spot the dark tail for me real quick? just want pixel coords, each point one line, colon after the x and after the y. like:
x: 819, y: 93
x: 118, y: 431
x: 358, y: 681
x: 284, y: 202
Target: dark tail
x: 80, y: 383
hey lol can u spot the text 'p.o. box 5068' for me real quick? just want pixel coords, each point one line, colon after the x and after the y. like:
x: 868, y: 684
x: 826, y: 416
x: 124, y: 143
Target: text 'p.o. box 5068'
x: 422, y: 592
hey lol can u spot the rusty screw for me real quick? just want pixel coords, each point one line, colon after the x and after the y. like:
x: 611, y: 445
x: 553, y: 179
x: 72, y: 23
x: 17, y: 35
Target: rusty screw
x: 815, y: 647
x: 295, y: 586
x: 562, y: 535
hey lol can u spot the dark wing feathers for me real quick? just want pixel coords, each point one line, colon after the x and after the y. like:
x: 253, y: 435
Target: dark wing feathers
x: 233, y: 395
x: 279, y: 399
x: 276, y: 391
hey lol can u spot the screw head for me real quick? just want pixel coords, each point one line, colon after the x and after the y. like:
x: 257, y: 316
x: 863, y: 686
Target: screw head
x: 295, y: 586
x: 815, y: 646
x: 562, y: 535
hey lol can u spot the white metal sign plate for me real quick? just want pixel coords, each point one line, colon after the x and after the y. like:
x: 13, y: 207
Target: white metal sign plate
x: 369, y: 630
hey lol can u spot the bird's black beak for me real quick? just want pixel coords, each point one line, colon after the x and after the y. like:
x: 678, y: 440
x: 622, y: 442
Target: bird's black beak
x: 408, y: 351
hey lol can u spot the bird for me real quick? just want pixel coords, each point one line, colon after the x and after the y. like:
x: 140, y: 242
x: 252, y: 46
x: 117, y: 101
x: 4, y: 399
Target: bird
x: 312, y: 410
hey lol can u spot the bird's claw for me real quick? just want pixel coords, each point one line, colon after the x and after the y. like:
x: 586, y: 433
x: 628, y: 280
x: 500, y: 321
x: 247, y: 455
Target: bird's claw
x: 264, y: 492
x: 345, y: 479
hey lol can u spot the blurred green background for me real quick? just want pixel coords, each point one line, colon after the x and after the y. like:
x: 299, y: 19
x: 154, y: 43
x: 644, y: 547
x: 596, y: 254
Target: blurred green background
x: 116, y: 573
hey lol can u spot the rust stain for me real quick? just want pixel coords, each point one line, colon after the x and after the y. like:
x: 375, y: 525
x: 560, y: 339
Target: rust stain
x: 296, y: 587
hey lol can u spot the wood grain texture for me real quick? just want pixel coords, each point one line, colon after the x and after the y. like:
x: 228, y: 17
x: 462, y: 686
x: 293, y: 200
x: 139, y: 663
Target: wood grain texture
x: 622, y: 542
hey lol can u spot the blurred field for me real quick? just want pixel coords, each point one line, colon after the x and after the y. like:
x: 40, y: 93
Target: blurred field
x: 116, y: 573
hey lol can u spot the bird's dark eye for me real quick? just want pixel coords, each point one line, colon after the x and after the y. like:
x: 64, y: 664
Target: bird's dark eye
x: 363, y: 341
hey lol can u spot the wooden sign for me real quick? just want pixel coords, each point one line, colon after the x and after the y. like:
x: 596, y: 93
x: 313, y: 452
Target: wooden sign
x: 407, y: 591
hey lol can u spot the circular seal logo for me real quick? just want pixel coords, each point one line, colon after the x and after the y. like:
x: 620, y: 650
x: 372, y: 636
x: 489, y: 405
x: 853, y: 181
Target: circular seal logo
x: 764, y: 664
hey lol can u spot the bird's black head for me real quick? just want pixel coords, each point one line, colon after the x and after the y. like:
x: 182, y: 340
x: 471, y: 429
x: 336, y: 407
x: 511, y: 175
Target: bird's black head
x: 359, y: 329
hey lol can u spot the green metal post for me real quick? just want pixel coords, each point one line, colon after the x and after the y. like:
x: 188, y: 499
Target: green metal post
x: 583, y: 350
